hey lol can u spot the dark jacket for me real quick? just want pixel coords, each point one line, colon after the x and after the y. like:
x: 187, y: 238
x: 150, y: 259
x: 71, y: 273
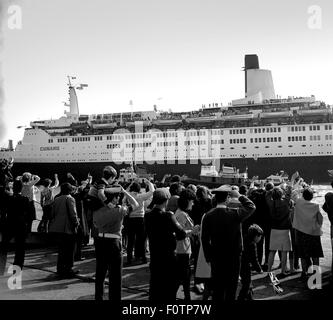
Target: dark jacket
x: 261, y: 215
x: 221, y: 230
x: 17, y: 211
x: 199, y: 208
x: 280, y: 213
x: 249, y: 255
x: 65, y: 219
x: 328, y: 206
x: 163, y: 233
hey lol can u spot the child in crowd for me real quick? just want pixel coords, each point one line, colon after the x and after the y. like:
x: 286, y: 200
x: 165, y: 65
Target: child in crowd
x: 249, y: 261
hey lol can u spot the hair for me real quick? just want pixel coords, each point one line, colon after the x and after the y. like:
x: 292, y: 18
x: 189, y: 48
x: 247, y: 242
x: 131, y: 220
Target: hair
x: 175, y: 189
x: 46, y: 182
x: 17, y: 186
x: 109, y: 172
x: 66, y: 188
x: 254, y: 231
x: 184, y: 199
x: 110, y: 196
x: 308, y: 194
x: 269, y: 186
x: 135, y: 187
x: 175, y: 178
x: 192, y: 187
x: 26, y: 177
x: 221, y: 196
x: 277, y: 193
x: 202, y: 193
x: 243, y: 189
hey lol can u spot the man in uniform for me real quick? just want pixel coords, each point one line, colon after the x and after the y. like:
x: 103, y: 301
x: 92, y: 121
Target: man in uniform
x: 222, y: 242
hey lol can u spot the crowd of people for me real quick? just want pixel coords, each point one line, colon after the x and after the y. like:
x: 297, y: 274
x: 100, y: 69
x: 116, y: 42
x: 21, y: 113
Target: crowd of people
x: 216, y: 236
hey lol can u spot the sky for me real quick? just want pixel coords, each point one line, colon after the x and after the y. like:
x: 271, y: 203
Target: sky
x: 177, y: 54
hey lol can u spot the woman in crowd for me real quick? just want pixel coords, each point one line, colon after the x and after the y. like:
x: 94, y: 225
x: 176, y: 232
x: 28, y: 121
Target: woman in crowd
x: 29, y: 190
x: 183, y: 249
x: 280, y: 239
x: 136, y: 236
x: 308, y: 223
x: 46, y: 201
x: 65, y: 224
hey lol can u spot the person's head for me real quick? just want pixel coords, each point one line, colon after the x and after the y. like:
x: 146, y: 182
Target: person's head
x: 70, y: 179
x: 255, y: 233
x: 175, y: 178
x: 269, y: 186
x: 221, y: 196
x: 112, y: 197
x: 186, y: 200
x: 4, y: 164
x: 277, y: 193
x: 26, y: 177
x: 235, y: 188
x: 222, y: 193
x: 109, y: 173
x: 46, y: 183
x: 160, y: 198
x: 234, y: 194
x: 66, y: 188
x: 192, y: 187
x: 308, y: 194
x: 17, y: 186
x: 175, y: 189
x: 202, y: 193
x: 243, y: 189
x: 135, y: 187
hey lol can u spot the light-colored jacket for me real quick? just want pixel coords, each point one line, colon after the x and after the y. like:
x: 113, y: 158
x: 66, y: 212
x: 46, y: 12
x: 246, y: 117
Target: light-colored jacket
x: 65, y: 219
x: 307, y: 217
x: 140, y: 198
x: 184, y: 246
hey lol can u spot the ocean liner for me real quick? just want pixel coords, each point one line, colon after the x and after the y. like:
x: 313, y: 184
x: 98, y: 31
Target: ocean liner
x: 260, y: 133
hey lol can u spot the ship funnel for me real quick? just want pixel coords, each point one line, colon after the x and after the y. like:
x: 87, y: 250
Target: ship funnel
x: 251, y: 62
x: 258, y: 82
x: 10, y: 145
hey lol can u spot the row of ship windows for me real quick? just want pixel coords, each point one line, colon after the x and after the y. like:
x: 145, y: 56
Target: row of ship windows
x: 265, y: 130
x: 237, y: 141
x: 298, y: 138
x: 195, y: 154
x: 237, y: 131
x: 272, y: 139
x: 312, y: 138
x: 139, y: 145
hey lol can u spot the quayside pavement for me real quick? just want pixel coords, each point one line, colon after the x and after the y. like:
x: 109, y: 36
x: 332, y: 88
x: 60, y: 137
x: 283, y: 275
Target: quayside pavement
x: 40, y: 281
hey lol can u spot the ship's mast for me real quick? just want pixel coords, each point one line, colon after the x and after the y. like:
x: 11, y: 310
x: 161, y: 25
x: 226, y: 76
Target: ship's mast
x: 73, y: 102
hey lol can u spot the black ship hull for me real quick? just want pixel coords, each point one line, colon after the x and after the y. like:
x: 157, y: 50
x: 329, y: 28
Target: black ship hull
x: 310, y: 168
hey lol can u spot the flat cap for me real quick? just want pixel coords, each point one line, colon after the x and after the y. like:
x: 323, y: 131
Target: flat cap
x: 223, y: 188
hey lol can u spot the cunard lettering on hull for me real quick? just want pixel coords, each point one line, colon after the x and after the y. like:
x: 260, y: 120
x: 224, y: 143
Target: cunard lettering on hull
x: 49, y: 148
